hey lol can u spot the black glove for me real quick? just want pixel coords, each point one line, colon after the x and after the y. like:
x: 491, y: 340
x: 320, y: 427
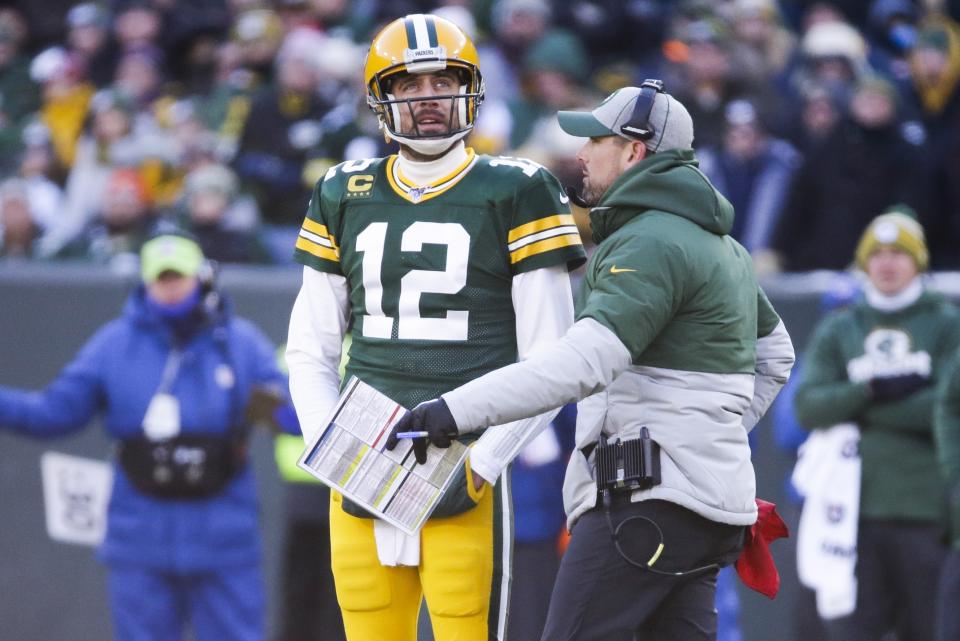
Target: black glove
x: 885, y: 389
x: 432, y: 417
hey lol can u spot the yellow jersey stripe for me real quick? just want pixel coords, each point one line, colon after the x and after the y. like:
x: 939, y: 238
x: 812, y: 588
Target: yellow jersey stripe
x: 540, y: 235
x: 317, y: 250
x: 540, y: 225
x: 542, y: 246
x: 315, y: 227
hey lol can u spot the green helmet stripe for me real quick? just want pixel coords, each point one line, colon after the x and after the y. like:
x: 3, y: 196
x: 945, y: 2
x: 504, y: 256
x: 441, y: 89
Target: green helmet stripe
x: 432, y: 32
x: 411, y: 33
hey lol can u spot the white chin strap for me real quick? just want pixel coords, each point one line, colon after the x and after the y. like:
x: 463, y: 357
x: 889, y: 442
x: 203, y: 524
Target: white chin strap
x: 431, y: 146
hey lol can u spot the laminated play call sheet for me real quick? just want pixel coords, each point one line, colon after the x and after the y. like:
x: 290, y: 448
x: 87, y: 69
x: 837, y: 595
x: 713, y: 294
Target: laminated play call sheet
x: 349, y: 456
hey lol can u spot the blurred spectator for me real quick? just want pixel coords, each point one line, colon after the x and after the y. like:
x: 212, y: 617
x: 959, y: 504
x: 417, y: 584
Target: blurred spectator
x: 820, y: 112
x: 754, y: 171
x: 139, y: 76
x: 36, y: 169
x: 863, y: 166
x: 66, y: 96
x: 137, y: 24
x: 109, y: 143
x: 350, y: 131
x: 761, y: 43
x: 553, y: 69
x: 119, y: 229
x: 18, y: 227
x: 517, y: 25
x: 89, y: 39
x: 19, y: 97
x: 877, y: 364
x: 833, y: 56
x: 222, y: 220
x: 223, y: 108
x: 283, y: 125
x: 932, y: 103
x: 709, y: 78
x: 892, y: 33
x: 932, y: 94
x: 259, y: 34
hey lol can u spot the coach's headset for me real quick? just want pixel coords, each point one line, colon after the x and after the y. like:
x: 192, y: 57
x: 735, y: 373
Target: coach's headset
x: 637, y: 128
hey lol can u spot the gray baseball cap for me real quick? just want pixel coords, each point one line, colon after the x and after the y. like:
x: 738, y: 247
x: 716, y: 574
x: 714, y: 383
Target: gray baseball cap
x: 671, y: 122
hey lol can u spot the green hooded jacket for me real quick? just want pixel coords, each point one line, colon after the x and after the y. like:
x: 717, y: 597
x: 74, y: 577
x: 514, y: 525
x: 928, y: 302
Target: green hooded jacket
x: 661, y: 230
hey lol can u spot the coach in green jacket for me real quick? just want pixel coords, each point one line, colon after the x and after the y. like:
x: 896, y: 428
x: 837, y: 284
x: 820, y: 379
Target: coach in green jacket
x: 876, y: 364
x: 674, y: 335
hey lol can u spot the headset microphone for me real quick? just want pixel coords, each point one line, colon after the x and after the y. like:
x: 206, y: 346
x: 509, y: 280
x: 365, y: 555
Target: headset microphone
x: 575, y: 197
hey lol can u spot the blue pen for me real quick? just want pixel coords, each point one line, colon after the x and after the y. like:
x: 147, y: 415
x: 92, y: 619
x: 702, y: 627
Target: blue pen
x: 412, y: 434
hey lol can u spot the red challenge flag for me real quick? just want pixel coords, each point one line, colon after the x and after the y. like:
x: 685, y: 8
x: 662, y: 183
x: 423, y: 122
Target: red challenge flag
x: 755, y: 565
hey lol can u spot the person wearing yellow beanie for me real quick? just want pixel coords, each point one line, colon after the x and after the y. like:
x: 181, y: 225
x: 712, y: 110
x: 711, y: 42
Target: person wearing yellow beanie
x: 897, y: 228
x: 877, y: 364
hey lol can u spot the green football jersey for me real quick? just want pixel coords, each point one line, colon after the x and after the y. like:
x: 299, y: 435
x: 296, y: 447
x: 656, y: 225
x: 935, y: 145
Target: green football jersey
x: 429, y: 269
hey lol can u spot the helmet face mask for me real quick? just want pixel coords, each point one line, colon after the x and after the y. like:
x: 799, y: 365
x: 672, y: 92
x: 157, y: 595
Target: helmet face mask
x: 423, y: 44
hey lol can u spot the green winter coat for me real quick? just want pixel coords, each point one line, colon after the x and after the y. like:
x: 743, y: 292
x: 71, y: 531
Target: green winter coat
x: 899, y: 478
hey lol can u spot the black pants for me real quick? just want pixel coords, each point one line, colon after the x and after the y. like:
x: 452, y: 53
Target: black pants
x: 601, y: 596
x: 898, y: 567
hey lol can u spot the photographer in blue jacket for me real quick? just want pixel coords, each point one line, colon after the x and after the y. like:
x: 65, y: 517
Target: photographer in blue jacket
x: 173, y: 380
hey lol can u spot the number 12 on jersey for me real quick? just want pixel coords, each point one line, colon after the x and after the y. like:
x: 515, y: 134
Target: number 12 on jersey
x: 376, y: 324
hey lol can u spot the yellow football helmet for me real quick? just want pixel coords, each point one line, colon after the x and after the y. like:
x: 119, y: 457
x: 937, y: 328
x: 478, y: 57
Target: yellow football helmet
x: 422, y: 43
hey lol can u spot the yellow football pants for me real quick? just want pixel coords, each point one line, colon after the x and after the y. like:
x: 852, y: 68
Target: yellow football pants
x: 464, y: 574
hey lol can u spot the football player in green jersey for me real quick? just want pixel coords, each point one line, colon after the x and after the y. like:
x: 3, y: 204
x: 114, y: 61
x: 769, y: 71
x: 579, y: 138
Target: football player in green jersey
x: 451, y: 265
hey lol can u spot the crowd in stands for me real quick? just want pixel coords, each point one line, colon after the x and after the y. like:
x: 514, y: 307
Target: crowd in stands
x: 811, y: 117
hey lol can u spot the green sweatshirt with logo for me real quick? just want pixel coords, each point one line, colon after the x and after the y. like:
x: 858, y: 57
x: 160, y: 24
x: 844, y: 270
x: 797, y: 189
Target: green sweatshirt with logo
x: 899, y: 478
